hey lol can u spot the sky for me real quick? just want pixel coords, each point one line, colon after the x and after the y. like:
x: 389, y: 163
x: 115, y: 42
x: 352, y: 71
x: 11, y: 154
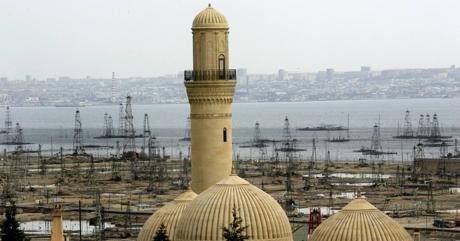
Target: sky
x: 79, y: 38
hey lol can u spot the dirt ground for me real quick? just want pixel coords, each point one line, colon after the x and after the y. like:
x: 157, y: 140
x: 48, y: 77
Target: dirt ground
x: 129, y: 191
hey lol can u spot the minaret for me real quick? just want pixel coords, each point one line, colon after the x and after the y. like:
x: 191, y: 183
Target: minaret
x: 210, y: 89
x: 57, y: 230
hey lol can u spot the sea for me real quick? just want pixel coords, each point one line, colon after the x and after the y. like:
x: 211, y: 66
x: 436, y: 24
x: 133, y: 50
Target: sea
x: 53, y: 127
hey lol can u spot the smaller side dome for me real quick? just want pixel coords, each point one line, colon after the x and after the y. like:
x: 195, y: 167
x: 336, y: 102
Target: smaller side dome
x: 169, y: 215
x: 210, y: 18
x: 360, y: 220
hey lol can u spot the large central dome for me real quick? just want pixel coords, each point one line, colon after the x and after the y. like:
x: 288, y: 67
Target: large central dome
x: 360, y: 220
x: 210, y: 18
x: 208, y: 213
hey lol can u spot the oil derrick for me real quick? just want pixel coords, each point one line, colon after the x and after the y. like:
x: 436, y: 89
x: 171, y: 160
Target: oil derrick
x: 421, y: 130
x: 417, y: 153
x: 41, y: 160
x: 108, y: 126
x: 99, y: 227
x: 19, y: 138
x: 456, y: 153
x: 407, y: 132
x: 376, y: 145
x: 188, y: 130
x: 61, y: 160
x: 443, y: 150
x: 113, y: 98
x: 288, y: 149
x: 121, y: 121
x: 311, y: 165
x: 427, y: 125
x: 287, y: 131
x: 77, y: 135
x: 127, y: 217
x: 147, y: 135
x: 435, y: 129
x: 91, y: 175
x: 117, y: 149
x: 8, y: 126
x: 430, y: 204
x: 184, y: 173
x: 153, y: 155
x: 259, y: 142
x: 129, y: 148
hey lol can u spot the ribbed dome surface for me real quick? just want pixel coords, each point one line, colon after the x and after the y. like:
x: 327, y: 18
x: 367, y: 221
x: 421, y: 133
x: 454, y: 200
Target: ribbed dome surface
x: 360, y: 221
x: 209, y: 18
x: 169, y: 215
x: 205, y: 216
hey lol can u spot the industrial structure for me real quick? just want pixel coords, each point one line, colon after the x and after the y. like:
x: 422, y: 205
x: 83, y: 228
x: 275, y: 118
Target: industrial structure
x: 78, y: 147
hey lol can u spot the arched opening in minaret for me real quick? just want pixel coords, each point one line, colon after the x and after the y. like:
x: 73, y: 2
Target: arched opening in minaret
x: 221, y: 66
x: 225, y: 134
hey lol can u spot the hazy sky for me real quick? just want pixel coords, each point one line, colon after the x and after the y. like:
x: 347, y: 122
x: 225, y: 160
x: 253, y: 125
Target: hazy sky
x: 50, y: 38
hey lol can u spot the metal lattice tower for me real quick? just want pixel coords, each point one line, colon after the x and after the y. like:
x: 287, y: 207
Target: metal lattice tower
x: 99, y: 228
x: 427, y: 124
x: 421, y: 126
x: 121, y: 120
x: 443, y: 150
x: 286, y: 131
x: 188, y: 130
x: 257, y: 134
x: 113, y: 89
x: 407, y: 125
x: 376, y: 144
x: 313, y: 150
x: 8, y: 126
x: 147, y: 134
x: 105, y: 132
x: 435, y: 129
x: 19, y: 139
x: 77, y: 135
x: 130, y: 133
x: 259, y: 142
x: 110, y: 126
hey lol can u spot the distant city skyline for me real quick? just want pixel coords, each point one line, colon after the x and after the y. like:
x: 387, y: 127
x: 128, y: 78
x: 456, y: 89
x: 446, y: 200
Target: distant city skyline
x: 147, y: 38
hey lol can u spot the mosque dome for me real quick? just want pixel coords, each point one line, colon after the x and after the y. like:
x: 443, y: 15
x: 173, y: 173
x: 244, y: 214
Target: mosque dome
x: 169, y: 215
x: 210, y: 18
x: 360, y: 220
x: 207, y: 214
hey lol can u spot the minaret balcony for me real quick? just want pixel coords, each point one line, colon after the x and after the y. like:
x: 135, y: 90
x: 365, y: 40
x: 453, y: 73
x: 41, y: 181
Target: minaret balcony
x: 209, y: 75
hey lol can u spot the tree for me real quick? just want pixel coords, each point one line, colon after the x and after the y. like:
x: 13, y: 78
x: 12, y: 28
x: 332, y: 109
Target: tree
x: 234, y: 231
x: 161, y: 234
x: 10, y: 226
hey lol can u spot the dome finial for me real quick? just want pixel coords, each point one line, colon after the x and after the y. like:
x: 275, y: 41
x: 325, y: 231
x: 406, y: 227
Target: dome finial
x: 233, y: 169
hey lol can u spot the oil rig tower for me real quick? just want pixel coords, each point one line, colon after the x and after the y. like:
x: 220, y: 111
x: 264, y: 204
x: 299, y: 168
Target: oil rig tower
x: 8, y: 126
x: 121, y: 120
x: 19, y: 139
x: 130, y: 133
x: 407, y: 132
x: 77, y: 135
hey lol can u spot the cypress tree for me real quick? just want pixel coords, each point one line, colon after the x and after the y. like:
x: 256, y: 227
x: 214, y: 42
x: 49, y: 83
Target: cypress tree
x: 161, y: 234
x: 10, y: 226
x: 234, y: 231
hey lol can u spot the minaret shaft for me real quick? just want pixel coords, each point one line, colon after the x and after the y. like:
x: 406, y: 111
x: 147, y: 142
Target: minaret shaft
x: 210, y: 89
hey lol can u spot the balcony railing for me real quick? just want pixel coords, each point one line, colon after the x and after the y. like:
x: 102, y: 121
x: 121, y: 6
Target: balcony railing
x: 212, y: 74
